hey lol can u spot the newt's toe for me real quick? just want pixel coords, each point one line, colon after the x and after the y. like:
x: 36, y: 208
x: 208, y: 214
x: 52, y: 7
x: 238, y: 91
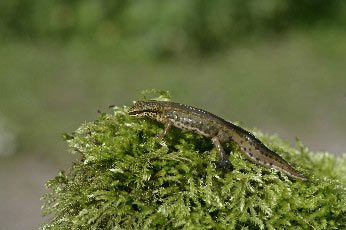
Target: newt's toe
x: 223, y: 164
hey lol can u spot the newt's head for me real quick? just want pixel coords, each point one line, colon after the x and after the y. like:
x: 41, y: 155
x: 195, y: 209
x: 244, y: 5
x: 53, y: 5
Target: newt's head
x: 145, y: 109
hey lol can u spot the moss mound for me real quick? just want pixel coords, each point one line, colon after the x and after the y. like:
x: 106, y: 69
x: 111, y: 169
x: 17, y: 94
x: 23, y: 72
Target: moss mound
x: 128, y: 179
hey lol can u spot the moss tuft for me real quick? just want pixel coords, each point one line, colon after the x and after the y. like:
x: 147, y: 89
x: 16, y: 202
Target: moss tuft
x: 127, y: 179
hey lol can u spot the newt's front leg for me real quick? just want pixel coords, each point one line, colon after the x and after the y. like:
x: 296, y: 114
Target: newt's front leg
x: 223, y: 162
x: 168, y: 126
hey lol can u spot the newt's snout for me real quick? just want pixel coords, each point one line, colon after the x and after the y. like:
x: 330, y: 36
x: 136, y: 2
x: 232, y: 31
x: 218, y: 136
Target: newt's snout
x: 136, y: 109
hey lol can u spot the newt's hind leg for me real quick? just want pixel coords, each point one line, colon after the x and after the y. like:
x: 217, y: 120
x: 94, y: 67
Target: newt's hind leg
x: 223, y: 162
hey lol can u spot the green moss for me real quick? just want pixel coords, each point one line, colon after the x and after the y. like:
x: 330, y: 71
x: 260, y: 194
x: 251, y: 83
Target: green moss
x: 128, y: 179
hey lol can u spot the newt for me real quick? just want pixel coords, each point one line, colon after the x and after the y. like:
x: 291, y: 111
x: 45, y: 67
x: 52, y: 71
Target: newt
x: 215, y: 128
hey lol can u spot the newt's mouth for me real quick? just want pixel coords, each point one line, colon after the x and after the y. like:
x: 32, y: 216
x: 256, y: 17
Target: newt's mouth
x: 144, y: 111
x: 133, y: 113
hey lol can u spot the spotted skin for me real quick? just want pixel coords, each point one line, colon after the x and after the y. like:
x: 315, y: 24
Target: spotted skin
x: 217, y: 129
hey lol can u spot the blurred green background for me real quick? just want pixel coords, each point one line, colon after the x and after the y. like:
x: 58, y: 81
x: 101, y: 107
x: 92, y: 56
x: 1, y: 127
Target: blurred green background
x: 278, y: 66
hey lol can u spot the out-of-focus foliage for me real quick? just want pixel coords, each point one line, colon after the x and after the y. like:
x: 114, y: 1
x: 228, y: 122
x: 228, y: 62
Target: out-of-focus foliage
x: 161, y: 27
x: 128, y: 179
